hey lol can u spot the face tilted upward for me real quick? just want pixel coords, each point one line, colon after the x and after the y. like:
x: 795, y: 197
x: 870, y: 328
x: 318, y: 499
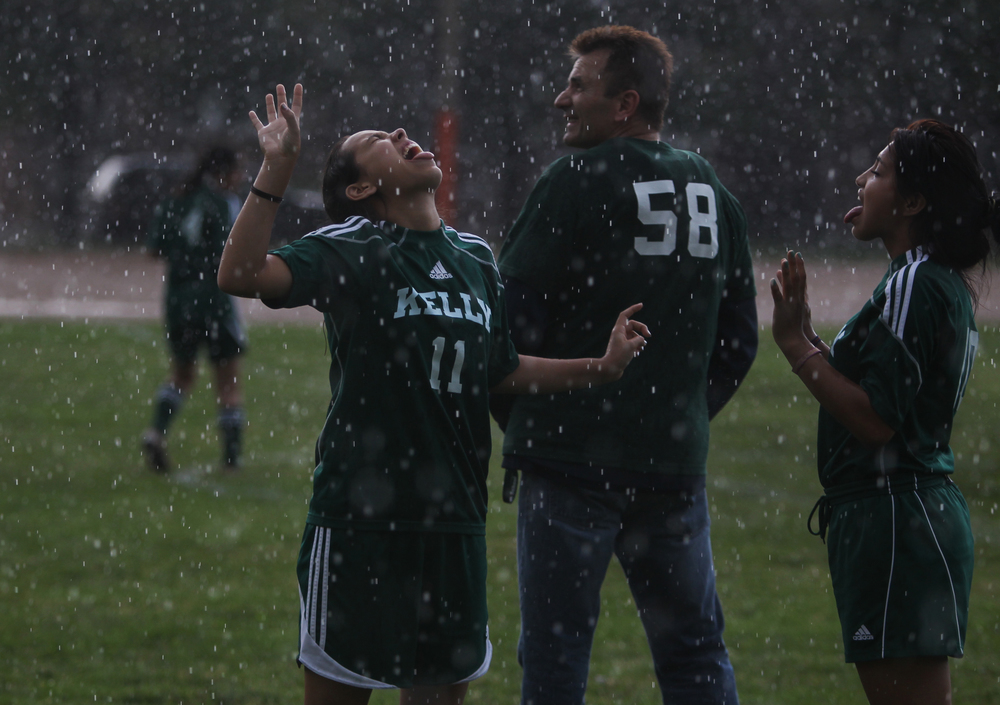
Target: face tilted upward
x: 392, y: 162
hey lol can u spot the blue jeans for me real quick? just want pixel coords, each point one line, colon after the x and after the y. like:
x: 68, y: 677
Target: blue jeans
x: 565, y: 538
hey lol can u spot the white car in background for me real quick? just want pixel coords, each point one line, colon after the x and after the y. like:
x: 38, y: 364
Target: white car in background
x: 123, y: 192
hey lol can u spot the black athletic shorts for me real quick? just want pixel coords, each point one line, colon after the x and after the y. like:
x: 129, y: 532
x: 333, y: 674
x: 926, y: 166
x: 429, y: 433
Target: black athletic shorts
x: 387, y: 609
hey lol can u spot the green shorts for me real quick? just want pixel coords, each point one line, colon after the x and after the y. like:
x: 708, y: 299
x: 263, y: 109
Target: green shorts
x: 198, y: 314
x: 224, y: 339
x: 901, y: 560
x: 384, y: 609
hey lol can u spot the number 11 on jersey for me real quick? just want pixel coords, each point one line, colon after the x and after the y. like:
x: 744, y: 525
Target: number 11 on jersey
x: 455, y: 384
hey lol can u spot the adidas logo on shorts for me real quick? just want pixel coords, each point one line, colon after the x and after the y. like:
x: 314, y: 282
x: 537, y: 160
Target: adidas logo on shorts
x: 439, y: 272
x: 863, y: 634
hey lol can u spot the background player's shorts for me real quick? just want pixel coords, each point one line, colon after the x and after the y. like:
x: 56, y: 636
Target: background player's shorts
x: 224, y: 338
x: 902, y: 571
x: 384, y: 609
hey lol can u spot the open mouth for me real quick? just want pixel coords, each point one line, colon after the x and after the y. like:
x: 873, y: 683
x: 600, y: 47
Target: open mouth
x: 411, y: 151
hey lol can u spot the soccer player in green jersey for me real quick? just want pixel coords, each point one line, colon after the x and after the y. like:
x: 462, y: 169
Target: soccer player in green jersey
x: 189, y: 230
x: 620, y: 470
x: 392, y: 565
x: 889, y: 385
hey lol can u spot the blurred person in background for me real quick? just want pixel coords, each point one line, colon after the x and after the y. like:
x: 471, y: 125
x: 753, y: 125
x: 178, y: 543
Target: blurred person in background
x: 889, y: 385
x: 189, y: 230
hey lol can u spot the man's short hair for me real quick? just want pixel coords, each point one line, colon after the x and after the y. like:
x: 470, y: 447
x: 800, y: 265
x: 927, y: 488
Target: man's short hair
x: 637, y: 61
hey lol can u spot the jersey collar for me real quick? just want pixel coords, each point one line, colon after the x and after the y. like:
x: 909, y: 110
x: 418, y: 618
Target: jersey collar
x: 397, y: 233
x: 918, y: 253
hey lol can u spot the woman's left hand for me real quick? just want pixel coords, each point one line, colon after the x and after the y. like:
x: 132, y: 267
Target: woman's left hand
x: 791, y: 319
x: 280, y: 138
x: 627, y: 340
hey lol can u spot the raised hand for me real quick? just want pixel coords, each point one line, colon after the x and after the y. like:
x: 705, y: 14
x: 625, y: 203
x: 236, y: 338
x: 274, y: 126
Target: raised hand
x: 280, y: 138
x: 627, y: 340
x: 791, y: 321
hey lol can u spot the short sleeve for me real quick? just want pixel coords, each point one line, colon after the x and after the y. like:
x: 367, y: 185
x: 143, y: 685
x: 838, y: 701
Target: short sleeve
x: 544, y: 230
x: 503, y: 357
x: 740, y: 283
x: 902, y: 345
x: 321, y: 276
x: 217, y: 224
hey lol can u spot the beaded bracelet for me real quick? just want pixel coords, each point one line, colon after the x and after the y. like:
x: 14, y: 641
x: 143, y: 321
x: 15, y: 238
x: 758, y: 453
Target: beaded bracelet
x: 802, y: 360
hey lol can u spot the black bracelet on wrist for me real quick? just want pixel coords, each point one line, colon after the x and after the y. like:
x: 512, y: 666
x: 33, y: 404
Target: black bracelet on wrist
x: 816, y: 341
x: 266, y: 196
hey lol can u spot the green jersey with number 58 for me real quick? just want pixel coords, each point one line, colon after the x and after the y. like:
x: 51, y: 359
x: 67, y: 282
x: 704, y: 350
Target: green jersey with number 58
x: 625, y: 222
x: 417, y: 330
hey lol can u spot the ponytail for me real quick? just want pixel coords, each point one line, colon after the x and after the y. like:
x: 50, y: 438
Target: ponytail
x: 993, y: 217
x: 961, y: 217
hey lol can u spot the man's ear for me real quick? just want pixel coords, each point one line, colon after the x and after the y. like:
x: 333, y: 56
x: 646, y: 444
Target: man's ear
x: 628, y: 104
x: 360, y: 190
x: 912, y: 205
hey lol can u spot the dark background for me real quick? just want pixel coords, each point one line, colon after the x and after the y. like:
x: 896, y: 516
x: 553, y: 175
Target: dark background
x: 789, y: 100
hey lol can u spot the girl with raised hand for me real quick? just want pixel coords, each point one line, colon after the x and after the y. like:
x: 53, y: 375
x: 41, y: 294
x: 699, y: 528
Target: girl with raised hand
x: 392, y: 567
x: 889, y: 385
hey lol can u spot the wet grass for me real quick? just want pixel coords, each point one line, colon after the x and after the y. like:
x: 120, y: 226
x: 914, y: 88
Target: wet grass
x: 120, y: 586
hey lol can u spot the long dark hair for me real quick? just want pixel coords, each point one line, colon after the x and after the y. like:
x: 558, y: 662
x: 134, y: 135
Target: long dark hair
x: 216, y: 161
x: 341, y: 171
x: 961, y: 217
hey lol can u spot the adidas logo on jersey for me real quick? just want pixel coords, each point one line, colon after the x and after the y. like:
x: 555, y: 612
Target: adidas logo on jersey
x: 863, y: 634
x: 439, y: 272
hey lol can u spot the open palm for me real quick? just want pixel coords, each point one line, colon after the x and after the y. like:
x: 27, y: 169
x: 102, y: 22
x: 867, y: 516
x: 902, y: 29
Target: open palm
x: 791, y: 318
x: 280, y: 137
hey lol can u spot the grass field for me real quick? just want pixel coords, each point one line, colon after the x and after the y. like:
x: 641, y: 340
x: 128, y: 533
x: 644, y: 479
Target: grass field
x: 119, y: 586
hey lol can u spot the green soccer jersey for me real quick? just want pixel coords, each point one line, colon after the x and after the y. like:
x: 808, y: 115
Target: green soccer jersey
x: 417, y: 330
x: 625, y: 222
x: 190, y: 231
x: 911, y: 348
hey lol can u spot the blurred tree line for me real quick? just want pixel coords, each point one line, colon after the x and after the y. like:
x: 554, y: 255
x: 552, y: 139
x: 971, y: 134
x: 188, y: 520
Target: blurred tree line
x: 789, y: 100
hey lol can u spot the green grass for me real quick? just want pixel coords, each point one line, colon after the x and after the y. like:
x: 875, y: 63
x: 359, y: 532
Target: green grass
x: 120, y: 586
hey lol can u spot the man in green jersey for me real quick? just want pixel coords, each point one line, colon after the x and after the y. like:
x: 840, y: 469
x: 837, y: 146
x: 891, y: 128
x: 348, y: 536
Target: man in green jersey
x: 621, y: 469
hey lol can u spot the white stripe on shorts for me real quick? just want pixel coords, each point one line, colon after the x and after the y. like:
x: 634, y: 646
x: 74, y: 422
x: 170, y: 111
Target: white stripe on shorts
x: 944, y: 561
x: 316, y: 573
x: 325, y: 601
x: 892, y: 565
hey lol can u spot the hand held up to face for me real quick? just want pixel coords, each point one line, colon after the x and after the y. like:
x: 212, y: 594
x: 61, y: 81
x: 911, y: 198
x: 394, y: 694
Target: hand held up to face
x: 791, y: 321
x: 627, y: 340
